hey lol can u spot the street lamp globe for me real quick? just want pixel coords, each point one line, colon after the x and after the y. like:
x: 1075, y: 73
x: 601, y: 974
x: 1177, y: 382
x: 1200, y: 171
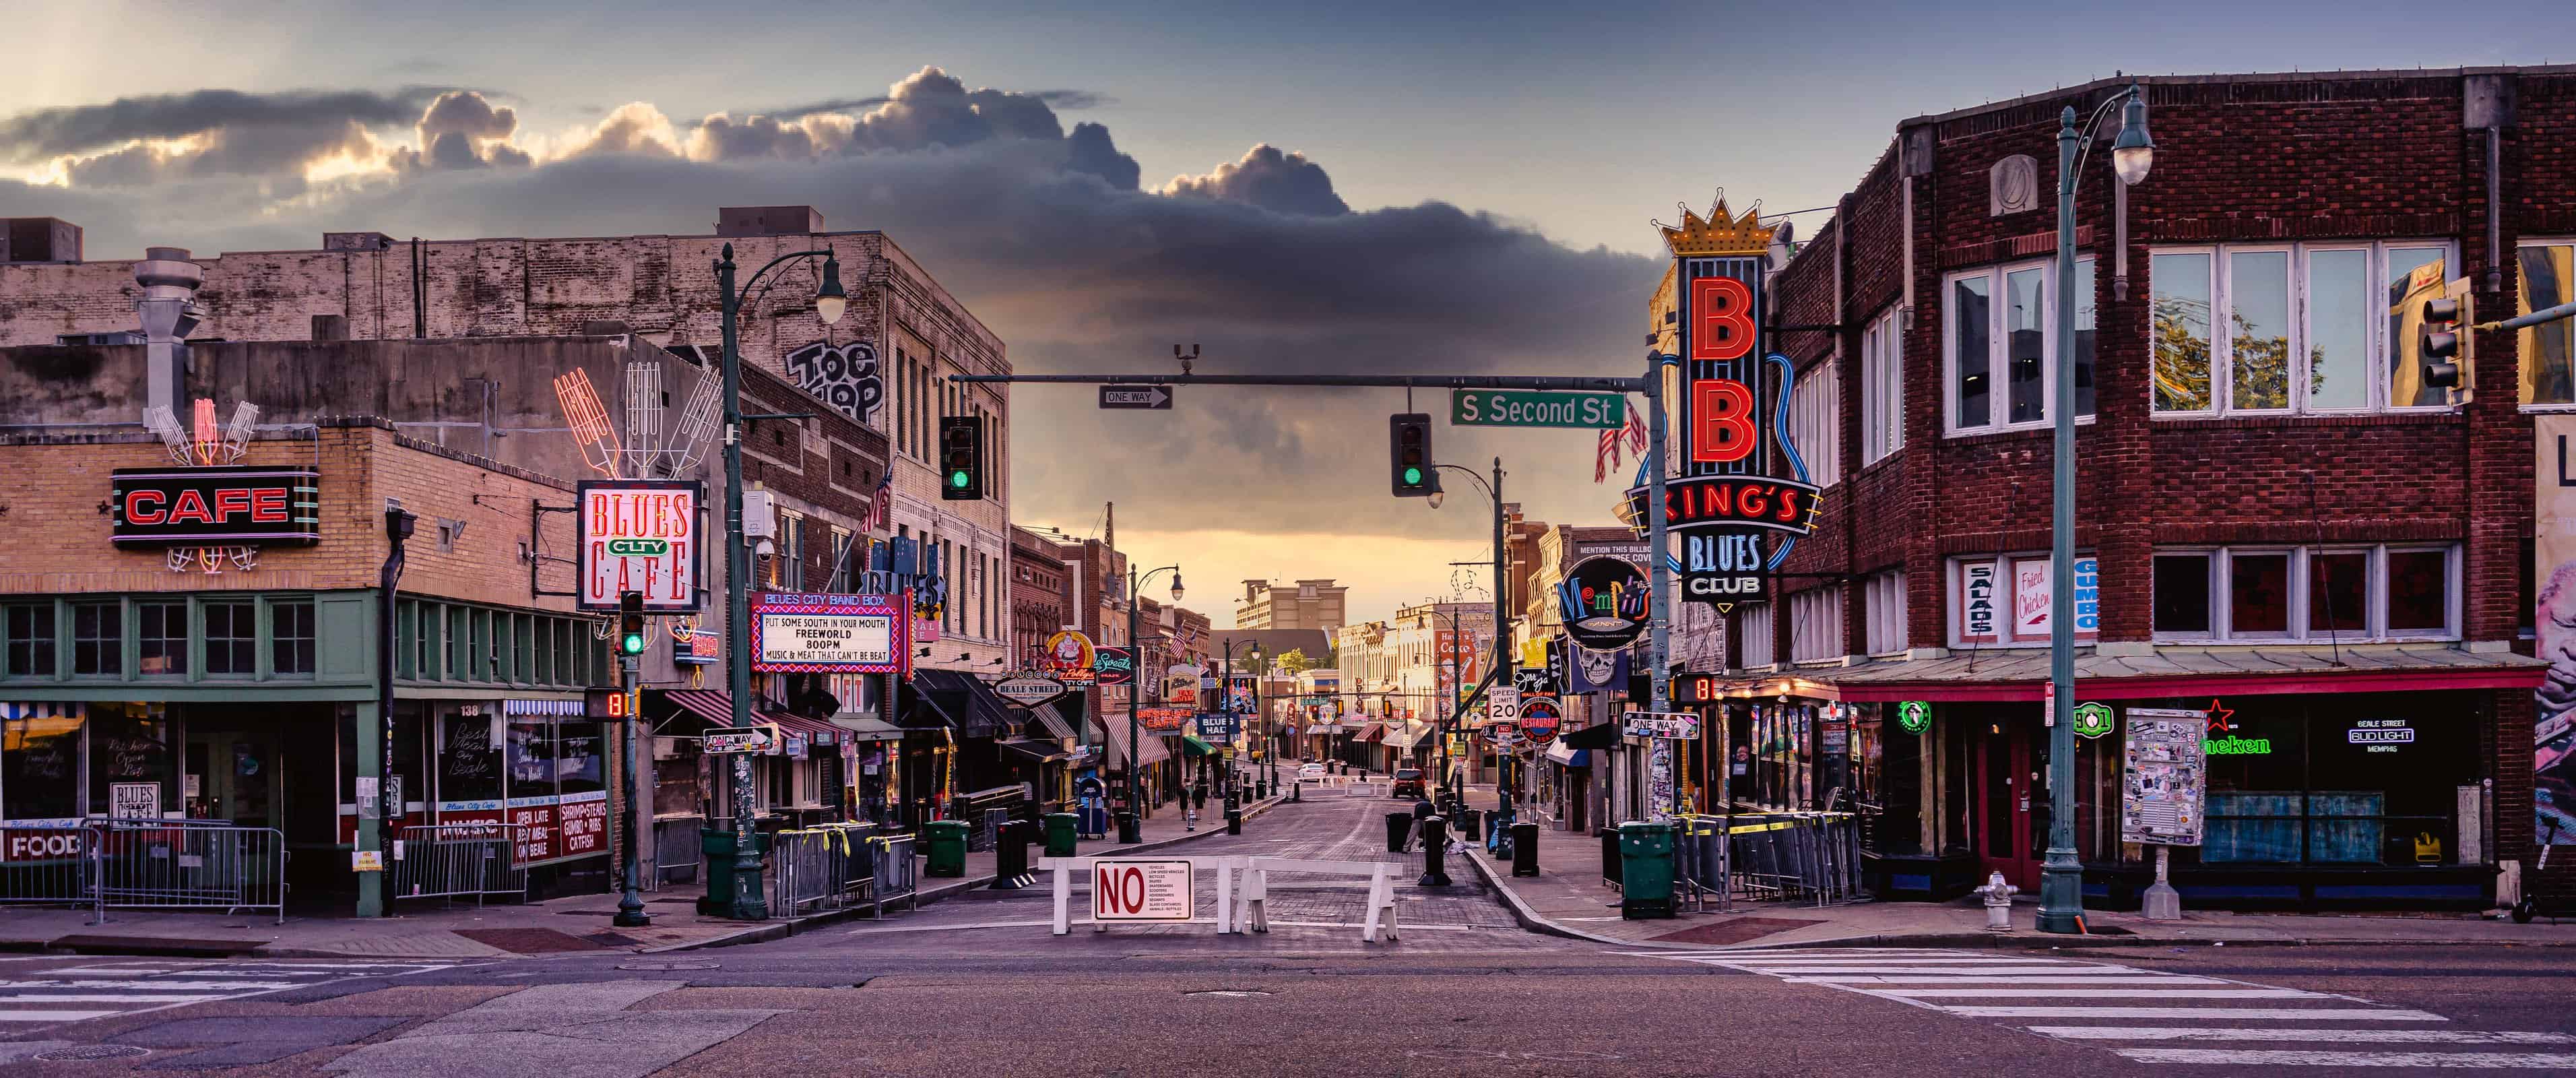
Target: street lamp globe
x: 2134, y: 152
x: 1176, y: 585
x: 830, y: 301
x: 1436, y: 497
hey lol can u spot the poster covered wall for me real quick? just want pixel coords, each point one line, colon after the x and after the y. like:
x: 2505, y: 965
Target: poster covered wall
x: 2554, y: 579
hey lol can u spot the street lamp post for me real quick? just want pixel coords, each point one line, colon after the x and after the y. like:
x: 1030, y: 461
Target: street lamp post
x: 1131, y: 830
x: 1225, y: 695
x: 749, y: 899
x: 2061, y: 886
x: 1502, y: 617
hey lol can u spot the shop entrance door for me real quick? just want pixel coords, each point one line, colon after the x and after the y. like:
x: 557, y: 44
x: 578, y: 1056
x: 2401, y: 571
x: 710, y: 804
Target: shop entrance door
x: 2007, y: 789
x: 233, y: 776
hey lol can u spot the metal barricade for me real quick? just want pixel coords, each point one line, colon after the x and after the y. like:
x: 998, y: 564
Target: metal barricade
x: 47, y: 866
x: 896, y: 873
x: 1812, y: 857
x: 189, y: 864
x: 802, y: 871
x: 448, y: 860
x: 1699, y: 860
x: 678, y: 855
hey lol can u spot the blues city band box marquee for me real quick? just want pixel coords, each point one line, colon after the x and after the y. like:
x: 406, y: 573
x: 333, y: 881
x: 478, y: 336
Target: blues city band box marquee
x: 1726, y: 500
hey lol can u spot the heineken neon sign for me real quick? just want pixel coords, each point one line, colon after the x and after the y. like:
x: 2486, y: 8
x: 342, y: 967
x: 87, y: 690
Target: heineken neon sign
x: 2232, y: 745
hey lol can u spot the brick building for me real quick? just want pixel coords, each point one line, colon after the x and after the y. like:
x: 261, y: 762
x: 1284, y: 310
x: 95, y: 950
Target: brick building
x: 1307, y: 604
x: 1041, y: 595
x: 2277, y: 520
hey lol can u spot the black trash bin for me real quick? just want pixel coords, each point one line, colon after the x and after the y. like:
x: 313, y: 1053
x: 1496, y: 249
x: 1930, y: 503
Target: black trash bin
x: 1610, y: 867
x: 1398, y: 825
x: 1471, y: 825
x: 1011, y: 856
x: 1435, y: 845
x: 1525, y: 849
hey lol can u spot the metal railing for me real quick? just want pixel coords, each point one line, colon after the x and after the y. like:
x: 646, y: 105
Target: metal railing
x: 678, y: 849
x: 822, y: 868
x: 1788, y: 856
x: 48, y: 866
x: 897, y: 877
x: 189, y: 864
x: 452, y: 860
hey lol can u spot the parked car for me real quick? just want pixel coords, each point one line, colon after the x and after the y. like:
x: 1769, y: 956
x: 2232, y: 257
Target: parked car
x: 1311, y: 771
x: 1408, y: 783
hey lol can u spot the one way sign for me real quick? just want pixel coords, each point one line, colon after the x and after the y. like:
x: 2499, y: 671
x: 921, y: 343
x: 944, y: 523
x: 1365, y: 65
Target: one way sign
x: 1157, y: 398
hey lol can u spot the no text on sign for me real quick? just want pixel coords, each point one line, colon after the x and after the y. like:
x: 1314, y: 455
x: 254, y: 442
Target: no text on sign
x: 1140, y: 890
x: 1150, y: 398
x: 1523, y: 408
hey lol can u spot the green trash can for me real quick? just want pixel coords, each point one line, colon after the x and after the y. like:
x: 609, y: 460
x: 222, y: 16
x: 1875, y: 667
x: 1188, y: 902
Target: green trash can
x: 946, y: 840
x: 1060, y: 829
x: 715, y: 849
x: 1645, y: 870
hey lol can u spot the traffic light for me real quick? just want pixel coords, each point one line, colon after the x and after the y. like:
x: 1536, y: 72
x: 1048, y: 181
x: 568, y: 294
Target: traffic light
x: 2437, y: 346
x: 961, y: 458
x: 630, y: 623
x: 1409, y: 449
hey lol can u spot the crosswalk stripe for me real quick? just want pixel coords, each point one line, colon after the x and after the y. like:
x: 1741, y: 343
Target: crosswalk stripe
x: 2346, y: 1036
x: 1865, y: 979
x: 1806, y: 963
x: 2090, y: 993
x: 87, y: 997
x: 1924, y: 971
x: 190, y: 986
x: 2306, y: 1058
x: 53, y: 1016
x: 2313, y: 1014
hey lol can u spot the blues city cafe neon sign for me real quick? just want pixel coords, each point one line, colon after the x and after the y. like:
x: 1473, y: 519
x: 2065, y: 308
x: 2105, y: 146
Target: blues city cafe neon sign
x: 222, y: 504
x: 1725, y: 502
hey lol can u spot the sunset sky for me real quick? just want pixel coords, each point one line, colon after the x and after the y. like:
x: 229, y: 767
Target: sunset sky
x: 1312, y: 186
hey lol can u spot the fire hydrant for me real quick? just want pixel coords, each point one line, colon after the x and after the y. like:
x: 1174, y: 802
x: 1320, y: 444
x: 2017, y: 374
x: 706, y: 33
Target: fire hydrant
x: 1998, y: 895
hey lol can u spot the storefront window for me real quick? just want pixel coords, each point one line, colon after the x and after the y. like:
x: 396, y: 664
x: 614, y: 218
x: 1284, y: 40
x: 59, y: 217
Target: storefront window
x: 130, y: 744
x: 291, y: 637
x: 232, y: 638
x: 40, y: 752
x: 579, y: 763
x: 98, y: 638
x: 162, y: 637
x: 30, y: 627
x: 468, y: 768
x: 2342, y: 780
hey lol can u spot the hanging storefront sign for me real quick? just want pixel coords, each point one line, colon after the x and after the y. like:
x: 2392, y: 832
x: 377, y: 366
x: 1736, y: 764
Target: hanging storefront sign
x: 1914, y: 716
x: 218, y: 505
x: 695, y: 647
x: 1540, y: 716
x: 1219, y: 728
x: 1163, y: 720
x: 1029, y: 690
x: 2166, y: 782
x: 1181, y: 685
x: 2093, y: 719
x: 640, y: 535
x: 1070, y: 658
x: 1679, y: 725
x: 830, y: 634
x: 1604, y: 602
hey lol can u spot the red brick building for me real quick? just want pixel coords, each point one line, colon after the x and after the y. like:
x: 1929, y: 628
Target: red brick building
x: 2277, y: 520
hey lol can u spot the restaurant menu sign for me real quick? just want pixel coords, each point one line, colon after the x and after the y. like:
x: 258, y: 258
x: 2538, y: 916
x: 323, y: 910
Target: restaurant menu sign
x: 2166, y: 785
x: 641, y: 535
x: 219, y: 505
x: 798, y: 633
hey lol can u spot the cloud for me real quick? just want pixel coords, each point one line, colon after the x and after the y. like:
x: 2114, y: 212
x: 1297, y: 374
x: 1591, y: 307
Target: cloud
x: 51, y: 132
x: 462, y: 129
x: 1048, y: 238
x: 1269, y: 178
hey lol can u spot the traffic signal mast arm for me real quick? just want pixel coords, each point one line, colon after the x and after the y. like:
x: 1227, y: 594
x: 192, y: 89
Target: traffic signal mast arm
x: 2552, y: 314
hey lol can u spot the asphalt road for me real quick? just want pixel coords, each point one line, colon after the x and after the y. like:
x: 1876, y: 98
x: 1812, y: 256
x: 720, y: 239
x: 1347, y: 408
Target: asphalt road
x: 1461, y: 992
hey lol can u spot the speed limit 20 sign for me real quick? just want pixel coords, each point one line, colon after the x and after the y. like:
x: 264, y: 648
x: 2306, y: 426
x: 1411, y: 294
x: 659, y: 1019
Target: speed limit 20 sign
x: 1502, y: 704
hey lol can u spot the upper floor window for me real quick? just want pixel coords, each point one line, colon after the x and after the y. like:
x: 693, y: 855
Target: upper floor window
x: 1882, y: 389
x: 2306, y: 593
x: 30, y: 630
x: 1755, y: 625
x: 2288, y: 328
x: 1883, y: 604
x: 1815, y: 423
x: 1997, y: 339
x: 2548, y: 350
x: 2007, y: 599
x: 1816, y: 624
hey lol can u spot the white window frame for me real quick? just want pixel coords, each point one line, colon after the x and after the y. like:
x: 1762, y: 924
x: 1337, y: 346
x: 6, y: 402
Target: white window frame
x: 2375, y: 588
x: 1882, y: 389
x: 2222, y: 346
x: 1883, y: 607
x: 1815, y: 421
x: 1816, y: 624
x: 1955, y: 584
x: 1757, y: 635
x: 2521, y: 354
x: 1998, y: 346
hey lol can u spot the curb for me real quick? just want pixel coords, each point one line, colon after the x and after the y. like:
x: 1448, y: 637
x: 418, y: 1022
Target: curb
x: 1528, y: 918
x: 779, y: 930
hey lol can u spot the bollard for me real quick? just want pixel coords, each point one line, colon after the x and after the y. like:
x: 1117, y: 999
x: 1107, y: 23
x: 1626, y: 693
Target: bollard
x: 1398, y: 825
x: 1297, y: 794
x: 1435, y: 848
x: 1234, y: 821
x: 1011, y: 857
x: 1524, y: 849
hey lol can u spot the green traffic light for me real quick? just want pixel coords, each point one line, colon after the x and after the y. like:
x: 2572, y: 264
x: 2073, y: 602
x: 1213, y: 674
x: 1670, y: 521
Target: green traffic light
x: 957, y: 479
x: 1413, y: 477
x: 632, y: 643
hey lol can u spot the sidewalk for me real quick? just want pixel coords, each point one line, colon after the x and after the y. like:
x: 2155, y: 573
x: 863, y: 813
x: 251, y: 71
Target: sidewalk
x: 428, y: 930
x: 1567, y: 898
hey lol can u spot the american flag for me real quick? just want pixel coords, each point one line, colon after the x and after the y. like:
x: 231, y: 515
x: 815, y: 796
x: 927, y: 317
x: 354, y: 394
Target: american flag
x: 881, y: 505
x: 1606, y: 456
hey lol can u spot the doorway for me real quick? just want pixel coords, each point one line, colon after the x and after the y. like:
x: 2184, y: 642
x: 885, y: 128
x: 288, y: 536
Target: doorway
x: 233, y: 776
x: 2011, y: 801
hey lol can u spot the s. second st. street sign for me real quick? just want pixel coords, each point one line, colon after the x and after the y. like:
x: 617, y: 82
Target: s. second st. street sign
x: 1523, y: 408
x: 1154, y: 398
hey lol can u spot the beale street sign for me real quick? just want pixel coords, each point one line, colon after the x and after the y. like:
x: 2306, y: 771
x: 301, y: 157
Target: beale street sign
x: 1028, y: 690
x: 215, y: 506
x: 1523, y: 408
x: 641, y: 535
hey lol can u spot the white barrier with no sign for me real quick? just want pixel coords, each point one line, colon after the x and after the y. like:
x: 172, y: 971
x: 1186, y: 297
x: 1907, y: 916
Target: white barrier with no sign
x: 1236, y: 906
x: 1065, y: 867
x: 1252, y: 896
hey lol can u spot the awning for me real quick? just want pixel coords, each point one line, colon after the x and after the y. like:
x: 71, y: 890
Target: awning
x: 1154, y: 751
x: 969, y: 704
x: 2163, y: 670
x: 1408, y: 737
x: 866, y: 728
x: 1571, y: 757
x: 816, y: 731
x: 1603, y: 735
x: 1045, y: 752
x: 1375, y: 731
x: 1049, y: 720
x: 715, y: 706
x: 1196, y: 747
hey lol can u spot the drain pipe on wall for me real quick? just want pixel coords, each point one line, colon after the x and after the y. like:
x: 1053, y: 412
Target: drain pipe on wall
x: 398, y: 527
